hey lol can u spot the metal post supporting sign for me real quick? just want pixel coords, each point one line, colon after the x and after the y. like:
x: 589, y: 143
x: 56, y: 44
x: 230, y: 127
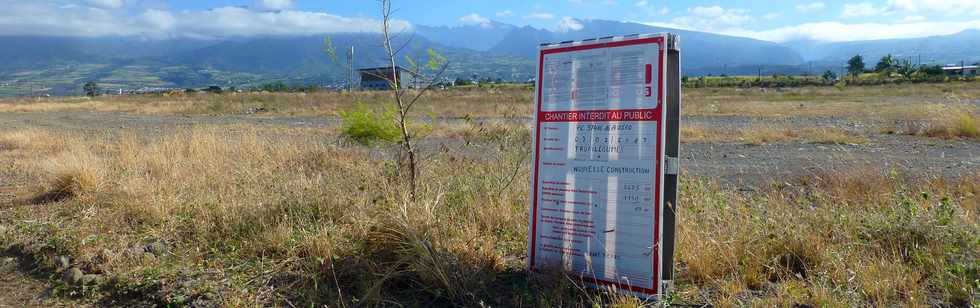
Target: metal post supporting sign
x: 604, y: 179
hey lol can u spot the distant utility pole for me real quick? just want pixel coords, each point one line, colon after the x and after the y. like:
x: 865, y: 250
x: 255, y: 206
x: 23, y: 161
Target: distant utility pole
x: 350, y: 69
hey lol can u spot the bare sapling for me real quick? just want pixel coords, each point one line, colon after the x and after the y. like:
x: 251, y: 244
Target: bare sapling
x: 424, y: 79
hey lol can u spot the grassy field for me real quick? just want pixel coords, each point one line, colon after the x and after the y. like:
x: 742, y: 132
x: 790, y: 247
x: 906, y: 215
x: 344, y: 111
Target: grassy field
x: 243, y: 215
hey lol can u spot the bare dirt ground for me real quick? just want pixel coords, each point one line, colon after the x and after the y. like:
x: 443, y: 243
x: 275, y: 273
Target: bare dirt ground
x: 747, y: 164
x: 22, y: 286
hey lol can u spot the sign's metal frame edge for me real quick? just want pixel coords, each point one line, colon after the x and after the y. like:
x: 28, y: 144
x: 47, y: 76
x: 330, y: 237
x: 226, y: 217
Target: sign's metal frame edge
x: 673, y: 118
x: 671, y: 87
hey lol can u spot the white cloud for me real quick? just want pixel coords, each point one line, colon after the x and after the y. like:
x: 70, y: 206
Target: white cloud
x: 540, y: 16
x: 474, y: 19
x: 505, y: 14
x: 839, y: 32
x: 712, y: 18
x: 914, y: 18
x: 945, y: 7
x: 107, y: 4
x: 863, y: 9
x: 164, y: 21
x: 642, y: 3
x: 716, y: 19
x: 274, y: 5
x: 811, y: 7
x: 53, y: 18
x: 569, y: 24
x: 668, y: 25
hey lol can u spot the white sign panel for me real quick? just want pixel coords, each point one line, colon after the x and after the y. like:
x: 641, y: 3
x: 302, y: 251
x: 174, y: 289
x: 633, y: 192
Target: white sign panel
x: 597, y: 179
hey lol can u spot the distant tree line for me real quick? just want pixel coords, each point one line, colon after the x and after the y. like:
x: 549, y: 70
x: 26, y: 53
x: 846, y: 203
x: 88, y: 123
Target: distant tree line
x: 888, y: 70
x: 279, y: 86
x: 276, y: 86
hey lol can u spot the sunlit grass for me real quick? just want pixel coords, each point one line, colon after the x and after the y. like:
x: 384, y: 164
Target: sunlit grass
x: 298, y: 220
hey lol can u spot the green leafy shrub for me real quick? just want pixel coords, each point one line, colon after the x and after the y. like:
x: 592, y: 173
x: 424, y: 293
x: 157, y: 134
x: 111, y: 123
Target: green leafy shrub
x: 367, y: 126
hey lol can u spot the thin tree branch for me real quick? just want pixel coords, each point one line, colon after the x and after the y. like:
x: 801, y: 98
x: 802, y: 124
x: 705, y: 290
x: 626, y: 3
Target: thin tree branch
x: 429, y: 85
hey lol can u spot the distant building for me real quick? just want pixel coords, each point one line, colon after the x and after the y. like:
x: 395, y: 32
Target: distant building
x: 966, y: 70
x: 378, y: 78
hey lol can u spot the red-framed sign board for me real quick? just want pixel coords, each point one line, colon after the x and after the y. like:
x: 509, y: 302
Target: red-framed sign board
x: 600, y: 162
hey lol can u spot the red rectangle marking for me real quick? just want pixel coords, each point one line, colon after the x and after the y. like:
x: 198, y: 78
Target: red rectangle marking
x: 600, y: 115
x: 649, y: 74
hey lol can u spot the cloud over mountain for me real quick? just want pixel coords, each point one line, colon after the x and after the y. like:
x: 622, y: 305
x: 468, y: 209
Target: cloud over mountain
x: 98, y: 18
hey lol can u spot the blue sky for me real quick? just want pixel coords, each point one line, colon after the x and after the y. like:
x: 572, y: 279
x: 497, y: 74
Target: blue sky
x: 768, y: 20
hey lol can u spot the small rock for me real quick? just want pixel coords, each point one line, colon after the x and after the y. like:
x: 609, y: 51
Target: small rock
x: 62, y: 262
x: 158, y: 248
x: 8, y: 265
x: 73, y: 275
x: 506, y: 260
x: 254, y: 110
x: 190, y: 284
x: 91, y: 279
x: 134, y: 252
x: 105, y: 255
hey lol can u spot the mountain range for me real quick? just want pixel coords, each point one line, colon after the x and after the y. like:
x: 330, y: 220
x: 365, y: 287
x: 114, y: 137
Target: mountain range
x: 945, y: 49
x: 60, y: 65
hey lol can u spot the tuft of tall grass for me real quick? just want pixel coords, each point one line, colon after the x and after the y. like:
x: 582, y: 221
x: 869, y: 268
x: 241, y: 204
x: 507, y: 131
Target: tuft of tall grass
x: 957, y: 123
x: 72, y: 174
x: 954, y: 122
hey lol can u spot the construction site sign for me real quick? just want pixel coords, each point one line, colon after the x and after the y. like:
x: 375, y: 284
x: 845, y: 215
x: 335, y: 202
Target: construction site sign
x: 601, y: 162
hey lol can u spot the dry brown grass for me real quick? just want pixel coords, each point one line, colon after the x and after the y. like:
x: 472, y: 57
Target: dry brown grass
x: 33, y: 140
x: 962, y: 122
x: 948, y: 122
x: 256, y: 215
x: 884, y: 236
x: 477, y: 102
x: 759, y: 134
x: 295, y: 204
x: 878, y: 103
x: 71, y: 174
x: 293, y: 219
